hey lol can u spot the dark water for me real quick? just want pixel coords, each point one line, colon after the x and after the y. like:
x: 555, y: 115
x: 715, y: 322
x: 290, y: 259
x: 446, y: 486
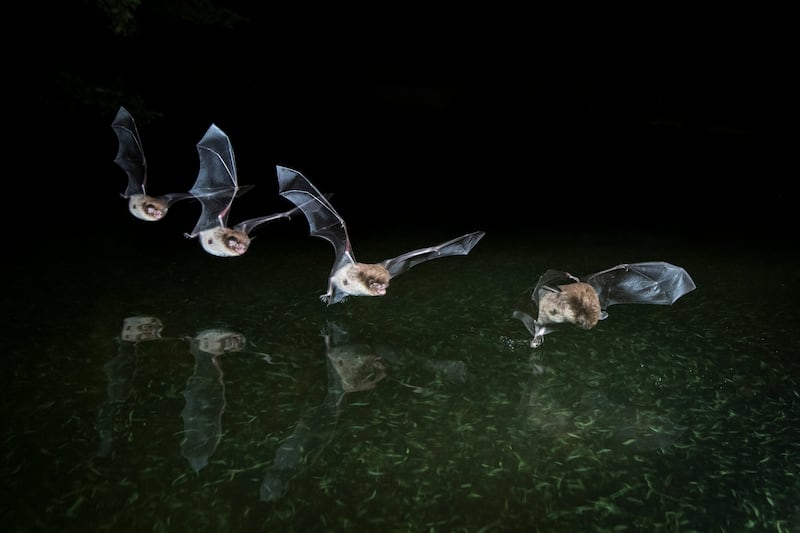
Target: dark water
x: 258, y: 408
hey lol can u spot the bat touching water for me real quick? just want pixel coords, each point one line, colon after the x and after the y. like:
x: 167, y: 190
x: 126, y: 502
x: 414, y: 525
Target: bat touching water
x: 348, y: 277
x: 130, y: 157
x: 561, y: 298
x: 216, y: 186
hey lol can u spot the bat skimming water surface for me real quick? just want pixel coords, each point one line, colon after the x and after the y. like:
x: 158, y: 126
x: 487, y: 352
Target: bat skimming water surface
x: 561, y: 298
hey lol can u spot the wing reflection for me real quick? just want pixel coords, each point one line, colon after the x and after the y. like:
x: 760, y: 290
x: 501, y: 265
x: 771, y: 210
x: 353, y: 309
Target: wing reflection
x: 351, y: 368
x: 120, y: 372
x: 578, y: 415
x: 205, y: 394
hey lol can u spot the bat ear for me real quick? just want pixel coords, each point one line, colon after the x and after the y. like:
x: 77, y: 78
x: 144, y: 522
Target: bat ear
x: 603, y: 315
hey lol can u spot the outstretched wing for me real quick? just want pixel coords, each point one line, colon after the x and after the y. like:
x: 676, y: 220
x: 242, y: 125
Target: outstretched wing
x: 249, y: 225
x: 323, y: 220
x: 654, y: 282
x: 217, y: 164
x: 130, y: 156
x: 217, y: 183
x: 458, y: 246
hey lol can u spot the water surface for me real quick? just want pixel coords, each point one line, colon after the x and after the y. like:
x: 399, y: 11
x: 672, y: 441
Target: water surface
x: 248, y: 405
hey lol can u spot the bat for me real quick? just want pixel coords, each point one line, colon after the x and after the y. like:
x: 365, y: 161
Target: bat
x: 351, y: 367
x: 561, y: 298
x: 130, y: 157
x: 216, y: 186
x: 141, y: 328
x: 348, y: 277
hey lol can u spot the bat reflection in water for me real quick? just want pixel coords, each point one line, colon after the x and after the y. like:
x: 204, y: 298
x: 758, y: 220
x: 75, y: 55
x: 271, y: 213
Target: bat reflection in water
x: 575, y: 415
x: 351, y: 368
x: 348, y: 277
x: 561, y: 298
x: 130, y: 157
x: 120, y: 373
x: 216, y: 186
x: 348, y: 371
x: 205, y: 393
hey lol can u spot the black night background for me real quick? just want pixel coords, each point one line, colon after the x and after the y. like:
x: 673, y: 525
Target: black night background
x: 477, y: 130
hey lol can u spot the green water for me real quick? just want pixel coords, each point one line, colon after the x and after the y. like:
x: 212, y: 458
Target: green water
x: 662, y: 418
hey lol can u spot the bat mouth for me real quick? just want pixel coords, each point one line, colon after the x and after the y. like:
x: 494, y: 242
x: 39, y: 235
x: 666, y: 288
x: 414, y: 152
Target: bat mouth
x: 237, y: 246
x: 378, y: 289
x: 154, y: 211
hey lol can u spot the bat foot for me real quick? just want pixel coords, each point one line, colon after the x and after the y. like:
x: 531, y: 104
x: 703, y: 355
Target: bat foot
x: 537, y: 341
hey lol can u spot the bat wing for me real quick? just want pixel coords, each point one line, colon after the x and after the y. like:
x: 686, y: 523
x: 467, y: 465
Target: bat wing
x: 249, y: 225
x: 528, y: 321
x: 654, y: 282
x: 217, y: 164
x: 217, y: 183
x: 130, y: 156
x: 173, y: 197
x: 458, y: 246
x: 323, y: 220
x: 549, y: 281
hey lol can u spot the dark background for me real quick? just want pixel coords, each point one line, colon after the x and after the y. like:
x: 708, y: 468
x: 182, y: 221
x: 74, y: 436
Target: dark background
x: 516, y: 136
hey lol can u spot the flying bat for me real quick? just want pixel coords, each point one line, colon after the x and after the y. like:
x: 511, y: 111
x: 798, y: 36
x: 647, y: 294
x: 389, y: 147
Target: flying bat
x: 348, y: 277
x: 216, y: 186
x: 130, y: 157
x: 561, y: 298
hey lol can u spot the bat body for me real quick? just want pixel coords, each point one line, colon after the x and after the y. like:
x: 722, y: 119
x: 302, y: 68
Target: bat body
x: 561, y: 298
x: 141, y: 328
x: 348, y: 277
x: 130, y: 157
x: 216, y: 186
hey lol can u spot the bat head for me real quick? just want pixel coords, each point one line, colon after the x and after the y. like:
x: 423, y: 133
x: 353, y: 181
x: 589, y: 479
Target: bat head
x: 141, y: 328
x: 362, y: 279
x: 219, y: 341
x: 224, y: 242
x: 355, y: 371
x: 147, y: 208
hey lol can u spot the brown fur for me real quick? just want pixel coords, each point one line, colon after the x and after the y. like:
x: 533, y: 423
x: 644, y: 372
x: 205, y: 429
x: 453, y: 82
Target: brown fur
x: 224, y: 242
x: 362, y: 279
x: 373, y: 275
x: 577, y: 303
x: 358, y: 372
